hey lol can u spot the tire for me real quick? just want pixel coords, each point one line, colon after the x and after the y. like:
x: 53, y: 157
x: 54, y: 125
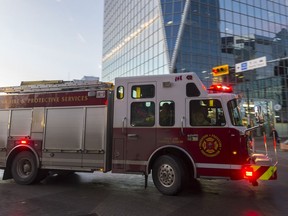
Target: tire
x: 168, y: 175
x: 24, y: 168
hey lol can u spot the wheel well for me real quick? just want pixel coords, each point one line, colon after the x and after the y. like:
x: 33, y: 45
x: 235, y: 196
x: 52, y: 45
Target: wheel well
x: 7, y: 172
x: 189, y: 166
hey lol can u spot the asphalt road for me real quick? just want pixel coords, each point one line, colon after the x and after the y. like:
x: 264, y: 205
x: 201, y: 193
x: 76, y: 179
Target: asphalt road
x: 99, y: 194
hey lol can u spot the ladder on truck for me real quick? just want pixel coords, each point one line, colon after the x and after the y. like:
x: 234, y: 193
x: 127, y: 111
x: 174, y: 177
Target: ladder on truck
x: 56, y: 85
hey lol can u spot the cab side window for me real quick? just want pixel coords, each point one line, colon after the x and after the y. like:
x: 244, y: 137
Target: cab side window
x: 120, y: 92
x: 142, y: 114
x: 143, y: 91
x: 206, y: 113
x: 167, y: 113
x: 192, y: 90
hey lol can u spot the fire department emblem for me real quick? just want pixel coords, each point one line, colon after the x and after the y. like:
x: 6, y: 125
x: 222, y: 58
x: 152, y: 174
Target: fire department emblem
x: 210, y: 145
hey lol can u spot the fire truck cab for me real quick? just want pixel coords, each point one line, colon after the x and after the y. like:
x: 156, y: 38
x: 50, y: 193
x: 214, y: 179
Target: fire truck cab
x: 171, y: 125
x: 167, y: 125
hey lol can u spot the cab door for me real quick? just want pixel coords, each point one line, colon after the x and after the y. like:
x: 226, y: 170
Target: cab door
x: 208, y: 134
x: 141, y: 125
x: 119, y: 128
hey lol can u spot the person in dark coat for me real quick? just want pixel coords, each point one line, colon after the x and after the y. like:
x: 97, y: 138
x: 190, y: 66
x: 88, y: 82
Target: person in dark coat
x: 275, y: 135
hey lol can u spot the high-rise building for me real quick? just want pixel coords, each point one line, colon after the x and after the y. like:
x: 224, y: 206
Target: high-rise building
x: 144, y: 37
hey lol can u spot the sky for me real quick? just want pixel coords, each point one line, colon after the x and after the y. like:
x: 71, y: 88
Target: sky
x: 50, y: 40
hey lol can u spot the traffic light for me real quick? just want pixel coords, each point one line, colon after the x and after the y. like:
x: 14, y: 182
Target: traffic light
x: 220, y: 70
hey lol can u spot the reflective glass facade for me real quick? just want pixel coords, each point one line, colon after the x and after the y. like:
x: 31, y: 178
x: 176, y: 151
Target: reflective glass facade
x: 171, y: 36
x: 133, y: 40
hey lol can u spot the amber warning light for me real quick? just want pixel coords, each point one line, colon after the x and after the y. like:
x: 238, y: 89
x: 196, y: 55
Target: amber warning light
x: 221, y: 88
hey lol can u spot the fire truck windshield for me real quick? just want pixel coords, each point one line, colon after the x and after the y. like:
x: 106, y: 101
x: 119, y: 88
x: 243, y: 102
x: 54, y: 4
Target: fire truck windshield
x: 234, y: 113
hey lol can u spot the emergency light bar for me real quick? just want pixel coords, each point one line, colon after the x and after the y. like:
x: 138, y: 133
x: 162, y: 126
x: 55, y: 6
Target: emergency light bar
x: 220, y: 88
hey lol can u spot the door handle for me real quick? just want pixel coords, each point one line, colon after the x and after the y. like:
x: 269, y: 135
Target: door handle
x: 123, y: 125
x: 132, y: 135
x: 182, y: 125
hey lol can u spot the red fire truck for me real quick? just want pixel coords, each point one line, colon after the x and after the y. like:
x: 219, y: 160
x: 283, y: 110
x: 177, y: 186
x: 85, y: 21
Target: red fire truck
x: 167, y: 125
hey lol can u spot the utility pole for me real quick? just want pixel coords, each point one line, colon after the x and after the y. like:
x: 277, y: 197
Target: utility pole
x: 279, y: 59
x: 248, y: 107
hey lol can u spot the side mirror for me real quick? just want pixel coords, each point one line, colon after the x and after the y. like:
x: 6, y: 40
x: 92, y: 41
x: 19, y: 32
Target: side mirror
x: 259, y: 115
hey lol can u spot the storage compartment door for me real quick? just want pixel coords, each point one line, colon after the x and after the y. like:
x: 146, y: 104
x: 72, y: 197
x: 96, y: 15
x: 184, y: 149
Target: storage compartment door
x: 95, y: 137
x: 4, y: 119
x: 63, y: 137
x: 21, y: 121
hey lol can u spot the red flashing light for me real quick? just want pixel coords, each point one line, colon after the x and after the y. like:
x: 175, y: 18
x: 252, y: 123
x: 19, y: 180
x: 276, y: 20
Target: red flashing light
x: 22, y: 142
x: 221, y: 88
x: 248, y: 172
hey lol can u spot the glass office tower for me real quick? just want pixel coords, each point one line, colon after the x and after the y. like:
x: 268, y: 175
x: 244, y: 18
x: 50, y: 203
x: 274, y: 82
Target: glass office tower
x: 144, y: 37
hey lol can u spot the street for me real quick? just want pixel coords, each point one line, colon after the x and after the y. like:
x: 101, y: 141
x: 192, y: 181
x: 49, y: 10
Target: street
x: 100, y: 194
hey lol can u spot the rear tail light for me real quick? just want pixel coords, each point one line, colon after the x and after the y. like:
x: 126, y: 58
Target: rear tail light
x: 248, y: 172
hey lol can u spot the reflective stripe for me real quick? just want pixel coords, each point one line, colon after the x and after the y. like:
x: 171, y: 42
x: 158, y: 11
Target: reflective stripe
x: 218, y: 166
x: 46, y: 160
x: 93, y: 161
x: 264, y: 172
x: 198, y: 165
x: 130, y: 162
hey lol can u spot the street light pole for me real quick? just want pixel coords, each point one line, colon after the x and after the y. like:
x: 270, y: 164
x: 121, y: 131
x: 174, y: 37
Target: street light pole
x: 248, y: 106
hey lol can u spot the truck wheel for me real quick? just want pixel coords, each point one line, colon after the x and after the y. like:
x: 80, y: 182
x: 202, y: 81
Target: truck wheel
x: 24, y: 168
x: 168, y: 175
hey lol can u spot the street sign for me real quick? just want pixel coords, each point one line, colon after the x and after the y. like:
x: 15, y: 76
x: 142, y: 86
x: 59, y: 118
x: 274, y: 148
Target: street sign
x: 250, y: 65
x: 243, y: 66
